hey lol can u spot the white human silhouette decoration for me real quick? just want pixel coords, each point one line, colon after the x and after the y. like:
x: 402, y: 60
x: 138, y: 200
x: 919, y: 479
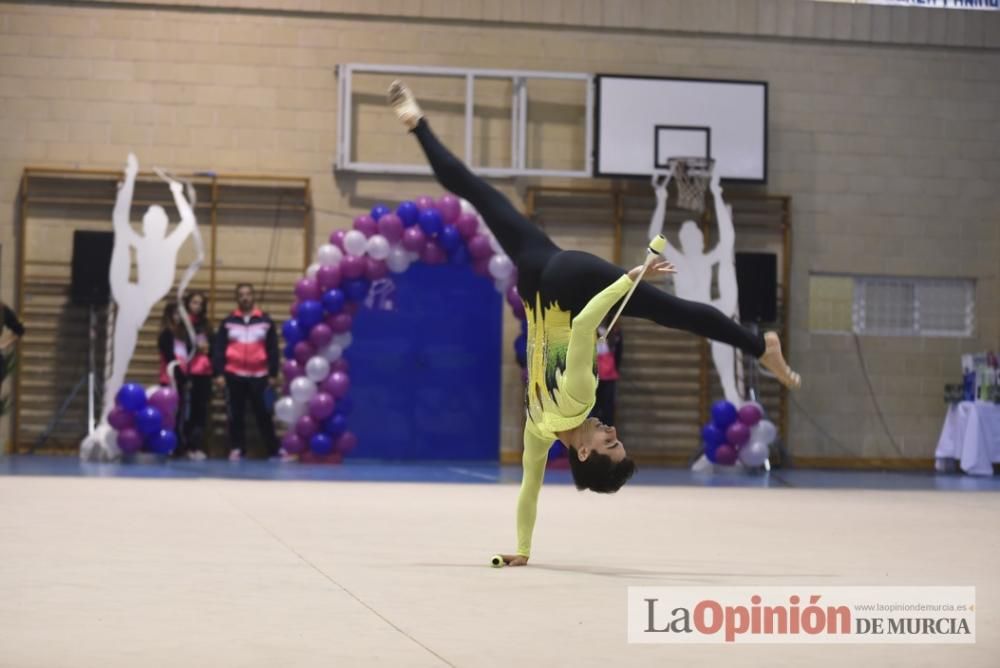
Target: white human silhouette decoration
x: 155, y: 259
x: 693, y: 280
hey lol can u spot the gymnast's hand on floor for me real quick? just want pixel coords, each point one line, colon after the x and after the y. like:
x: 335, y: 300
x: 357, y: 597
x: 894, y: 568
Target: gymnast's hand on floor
x: 514, y: 560
x: 658, y: 269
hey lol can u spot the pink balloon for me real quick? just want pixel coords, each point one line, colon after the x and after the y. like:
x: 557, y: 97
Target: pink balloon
x: 737, y: 434
x: 328, y: 276
x: 414, y: 239
x: 340, y: 364
x: 337, y: 238
x: 302, y: 351
x: 750, y: 415
x: 366, y: 225
x: 291, y: 369
x: 129, y: 440
x: 467, y: 225
x: 292, y: 444
x: 479, y: 247
x: 347, y: 442
x: 352, y: 266
x: 390, y: 226
x: 320, y: 336
x: 340, y: 323
x: 424, y: 202
x: 375, y: 269
x: 120, y: 418
x: 321, y: 406
x: 481, y: 266
x: 726, y: 455
x: 306, y: 426
x: 433, y: 253
x: 307, y: 288
x: 337, y: 384
x: 450, y: 208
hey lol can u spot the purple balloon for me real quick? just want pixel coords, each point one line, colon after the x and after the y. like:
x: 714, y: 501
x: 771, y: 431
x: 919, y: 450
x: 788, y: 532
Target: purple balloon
x: 337, y: 238
x: 425, y: 202
x: 450, y: 208
x: 120, y: 418
x: 737, y: 434
x: 726, y: 455
x: 340, y: 323
x: 340, y: 364
x: 307, y: 289
x: 129, y: 440
x: 750, y: 415
x: 320, y: 336
x: 303, y: 351
x: 291, y: 369
x: 414, y: 239
x: 352, y: 266
x: 390, y: 226
x: 467, y: 225
x: 433, y: 253
x: 347, y: 442
x: 337, y: 384
x: 165, y: 399
x: 514, y: 299
x: 292, y: 443
x: 375, y: 269
x: 321, y: 406
x: 481, y: 266
x: 168, y: 422
x: 306, y: 426
x: 479, y: 247
x: 366, y: 225
x: 328, y: 276
x: 294, y: 308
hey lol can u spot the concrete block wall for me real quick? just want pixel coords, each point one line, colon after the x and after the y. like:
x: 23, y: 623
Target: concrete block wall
x: 882, y: 129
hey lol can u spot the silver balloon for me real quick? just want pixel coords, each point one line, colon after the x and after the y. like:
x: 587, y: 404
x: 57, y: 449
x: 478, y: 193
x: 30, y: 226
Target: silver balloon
x: 329, y: 255
x: 413, y: 256
x: 285, y: 410
x: 764, y: 432
x: 378, y: 247
x: 466, y: 206
x: 398, y: 261
x: 355, y: 243
x: 317, y: 369
x: 343, y: 340
x: 754, y: 454
x: 312, y: 270
x: 302, y: 390
x: 501, y: 267
x: 332, y: 352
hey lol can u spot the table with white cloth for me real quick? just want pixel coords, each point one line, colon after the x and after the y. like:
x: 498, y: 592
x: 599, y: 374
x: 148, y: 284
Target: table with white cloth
x: 971, y: 435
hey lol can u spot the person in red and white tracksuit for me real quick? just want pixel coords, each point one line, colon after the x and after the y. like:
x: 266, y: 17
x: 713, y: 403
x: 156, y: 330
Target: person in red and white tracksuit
x: 245, y: 362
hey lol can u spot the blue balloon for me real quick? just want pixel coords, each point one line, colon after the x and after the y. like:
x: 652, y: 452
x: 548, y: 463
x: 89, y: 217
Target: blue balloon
x: 149, y: 421
x: 355, y: 289
x: 321, y: 444
x: 379, y: 210
x: 521, y: 350
x: 459, y: 256
x: 131, y: 397
x: 344, y: 406
x: 710, y: 453
x: 289, y: 351
x: 333, y: 301
x: 335, y: 425
x: 163, y: 442
x: 430, y: 222
x: 292, y: 332
x: 723, y: 414
x: 408, y: 213
x: 450, y: 238
x: 712, y: 436
x: 309, y: 314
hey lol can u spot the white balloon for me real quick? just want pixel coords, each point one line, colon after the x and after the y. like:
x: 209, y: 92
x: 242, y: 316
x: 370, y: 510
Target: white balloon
x: 332, y: 352
x: 302, y: 390
x: 501, y: 267
x: 150, y: 389
x: 764, y: 432
x: 466, y: 206
x: 502, y: 284
x: 378, y: 247
x: 329, y: 255
x: 413, y: 256
x: 312, y: 270
x: 754, y: 453
x: 317, y: 369
x: 398, y: 260
x: 343, y: 340
x: 285, y: 410
x: 355, y: 243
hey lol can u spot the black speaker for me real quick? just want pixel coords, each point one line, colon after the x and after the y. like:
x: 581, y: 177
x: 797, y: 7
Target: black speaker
x: 91, y: 262
x: 757, y: 276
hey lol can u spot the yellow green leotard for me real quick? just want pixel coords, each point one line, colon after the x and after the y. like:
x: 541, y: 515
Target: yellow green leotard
x: 562, y: 385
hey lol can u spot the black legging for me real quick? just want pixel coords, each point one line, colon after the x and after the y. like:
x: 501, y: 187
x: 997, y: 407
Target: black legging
x: 572, y: 278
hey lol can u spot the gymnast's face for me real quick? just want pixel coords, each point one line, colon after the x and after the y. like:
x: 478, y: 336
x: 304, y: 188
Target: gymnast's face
x: 597, y: 437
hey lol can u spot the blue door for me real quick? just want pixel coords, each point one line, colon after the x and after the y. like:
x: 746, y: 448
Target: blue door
x: 425, y: 377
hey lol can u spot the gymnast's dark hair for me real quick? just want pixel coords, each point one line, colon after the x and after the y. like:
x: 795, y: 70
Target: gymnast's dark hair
x: 598, y: 473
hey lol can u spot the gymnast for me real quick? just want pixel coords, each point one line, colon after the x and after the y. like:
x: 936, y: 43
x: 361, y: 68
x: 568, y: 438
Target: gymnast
x: 566, y: 295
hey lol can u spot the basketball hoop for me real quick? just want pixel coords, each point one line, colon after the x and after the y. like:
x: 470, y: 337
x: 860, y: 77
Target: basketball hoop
x: 692, y: 176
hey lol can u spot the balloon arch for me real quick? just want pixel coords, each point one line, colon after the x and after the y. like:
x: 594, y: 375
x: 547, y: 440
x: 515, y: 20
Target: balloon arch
x: 352, y: 271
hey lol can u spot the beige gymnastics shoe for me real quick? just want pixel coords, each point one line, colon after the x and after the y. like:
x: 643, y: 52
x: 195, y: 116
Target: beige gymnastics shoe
x: 404, y: 104
x: 774, y: 361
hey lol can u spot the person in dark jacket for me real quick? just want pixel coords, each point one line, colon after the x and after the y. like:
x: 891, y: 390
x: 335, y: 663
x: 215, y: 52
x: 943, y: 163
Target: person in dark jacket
x: 9, y: 320
x: 245, y: 363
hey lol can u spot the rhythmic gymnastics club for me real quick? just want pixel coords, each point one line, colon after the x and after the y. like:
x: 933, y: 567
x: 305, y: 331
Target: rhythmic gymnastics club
x: 653, y: 251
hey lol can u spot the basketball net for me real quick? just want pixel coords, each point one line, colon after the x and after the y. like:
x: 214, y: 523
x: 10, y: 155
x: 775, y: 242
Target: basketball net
x: 691, y: 176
